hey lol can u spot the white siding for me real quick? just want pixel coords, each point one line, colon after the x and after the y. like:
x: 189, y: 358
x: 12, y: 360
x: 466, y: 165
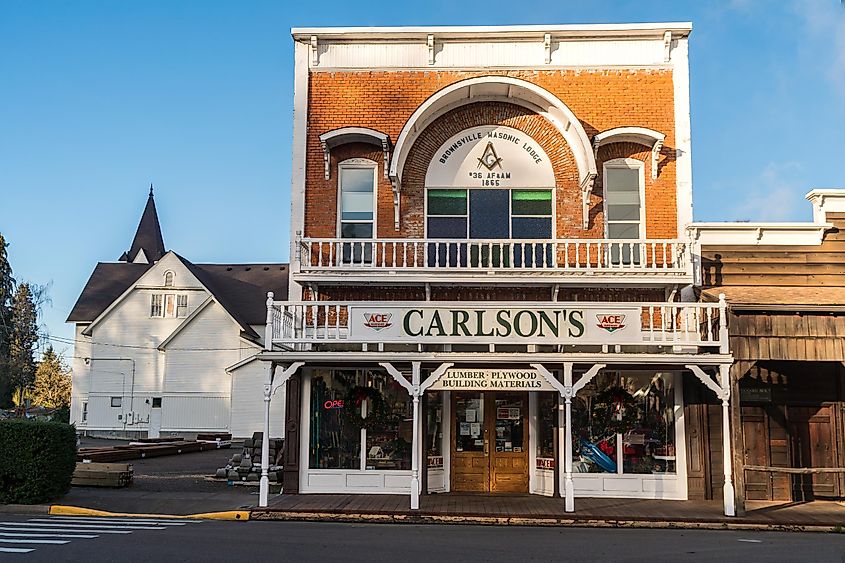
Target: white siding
x: 197, y: 412
x: 248, y: 402
x: 79, y: 376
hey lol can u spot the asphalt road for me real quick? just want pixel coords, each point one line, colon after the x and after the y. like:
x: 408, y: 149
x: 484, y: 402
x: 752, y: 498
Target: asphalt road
x: 139, y: 540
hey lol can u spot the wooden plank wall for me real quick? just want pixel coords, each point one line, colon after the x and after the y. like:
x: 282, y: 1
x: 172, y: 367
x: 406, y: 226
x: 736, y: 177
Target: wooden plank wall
x: 775, y: 265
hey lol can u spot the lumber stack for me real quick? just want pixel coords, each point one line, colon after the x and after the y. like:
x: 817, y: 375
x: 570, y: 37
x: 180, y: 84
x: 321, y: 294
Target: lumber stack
x: 102, y: 475
x: 145, y: 449
x: 246, y: 466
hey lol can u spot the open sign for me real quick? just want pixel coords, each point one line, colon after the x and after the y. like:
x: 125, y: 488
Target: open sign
x: 333, y: 404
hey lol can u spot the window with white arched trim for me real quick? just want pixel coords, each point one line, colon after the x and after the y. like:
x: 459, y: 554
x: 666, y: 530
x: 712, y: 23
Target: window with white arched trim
x: 624, y: 183
x: 168, y: 278
x: 356, y: 207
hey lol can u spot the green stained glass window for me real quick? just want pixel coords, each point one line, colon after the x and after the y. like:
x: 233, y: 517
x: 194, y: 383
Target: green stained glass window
x: 447, y: 202
x: 531, y: 202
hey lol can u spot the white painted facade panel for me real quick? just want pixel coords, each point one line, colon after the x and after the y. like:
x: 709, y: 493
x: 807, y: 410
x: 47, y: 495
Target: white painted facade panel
x: 194, y: 413
x: 248, y: 402
x: 79, y: 376
x: 529, y: 53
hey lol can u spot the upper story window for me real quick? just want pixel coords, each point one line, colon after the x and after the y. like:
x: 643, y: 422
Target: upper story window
x: 357, y: 181
x: 168, y: 305
x: 168, y: 278
x: 520, y: 215
x: 623, y: 206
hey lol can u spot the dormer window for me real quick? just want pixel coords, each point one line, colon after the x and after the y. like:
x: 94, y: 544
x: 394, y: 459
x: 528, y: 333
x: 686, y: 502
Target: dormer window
x: 168, y: 278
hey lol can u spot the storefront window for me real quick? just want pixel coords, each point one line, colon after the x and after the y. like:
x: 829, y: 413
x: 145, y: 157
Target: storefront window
x: 389, y: 424
x: 546, y: 425
x: 625, y: 415
x: 434, y: 429
x: 510, y: 427
x: 335, y: 440
x: 346, y: 404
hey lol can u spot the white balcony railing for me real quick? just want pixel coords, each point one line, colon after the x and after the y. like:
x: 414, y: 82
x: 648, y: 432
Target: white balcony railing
x: 294, y: 325
x: 563, y: 256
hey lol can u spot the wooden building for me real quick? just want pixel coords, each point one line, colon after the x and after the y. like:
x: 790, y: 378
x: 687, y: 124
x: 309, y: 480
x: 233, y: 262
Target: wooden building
x: 785, y: 286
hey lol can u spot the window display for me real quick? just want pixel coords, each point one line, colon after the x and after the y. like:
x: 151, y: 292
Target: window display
x: 390, y: 430
x: 627, y: 416
x: 469, y: 421
x: 434, y: 429
x: 345, y: 402
x: 335, y: 441
x: 510, y: 430
x: 546, y: 425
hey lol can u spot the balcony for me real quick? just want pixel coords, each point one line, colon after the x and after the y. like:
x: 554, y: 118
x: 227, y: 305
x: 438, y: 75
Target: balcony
x: 304, y: 325
x: 575, y: 261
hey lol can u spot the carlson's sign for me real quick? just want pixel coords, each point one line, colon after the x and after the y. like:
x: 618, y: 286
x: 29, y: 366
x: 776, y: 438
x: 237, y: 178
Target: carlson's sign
x: 490, y: 157
x: 490, y: 325
x: 491, y: 380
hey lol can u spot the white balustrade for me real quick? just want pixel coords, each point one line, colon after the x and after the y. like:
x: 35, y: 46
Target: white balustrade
x: 570, y: 256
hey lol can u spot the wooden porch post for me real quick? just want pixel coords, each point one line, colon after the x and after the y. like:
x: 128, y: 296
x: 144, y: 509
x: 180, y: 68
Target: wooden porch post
x: 415, y: 452
x: 569, y: 487
x: 729, y: 492
x: 264, y: 482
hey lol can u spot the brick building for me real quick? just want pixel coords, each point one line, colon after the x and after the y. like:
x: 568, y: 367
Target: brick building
x: 489, y: 247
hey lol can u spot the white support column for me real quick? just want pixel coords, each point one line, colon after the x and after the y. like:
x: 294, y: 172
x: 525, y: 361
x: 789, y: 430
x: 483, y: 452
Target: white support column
x: 569, y: 486
x: 728, y: 491
x: 415, y: 453
x: 269, y: 390
x: 561, y: 439
x: 264, y: 482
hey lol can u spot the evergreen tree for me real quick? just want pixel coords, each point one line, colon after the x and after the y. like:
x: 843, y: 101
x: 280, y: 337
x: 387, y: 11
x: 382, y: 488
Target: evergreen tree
x: 7, y: 289
x: 52, y: 381
x: 23, y: 339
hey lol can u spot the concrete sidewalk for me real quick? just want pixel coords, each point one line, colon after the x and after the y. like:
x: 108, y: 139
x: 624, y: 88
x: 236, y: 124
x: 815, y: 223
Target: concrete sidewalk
x: 543, y: 511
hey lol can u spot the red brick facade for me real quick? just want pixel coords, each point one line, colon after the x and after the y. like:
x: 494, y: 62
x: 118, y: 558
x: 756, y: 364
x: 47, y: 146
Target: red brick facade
x: 384, y: 100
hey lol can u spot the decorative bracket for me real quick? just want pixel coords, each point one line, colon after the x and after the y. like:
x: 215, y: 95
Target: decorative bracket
x: 315, y: 55
x: 655, y: 157
x: 547, y: 46
x: 723, y: 392
x: 430, y: 42
x: 326, y: 158
x: 667, y: 46
x: 586, y: 190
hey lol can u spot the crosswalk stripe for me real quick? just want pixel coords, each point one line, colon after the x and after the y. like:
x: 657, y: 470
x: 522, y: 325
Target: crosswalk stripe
x: 84, y: 526
x: 59, y: 542
x: 26, y: 535
x: 41, y: 528
x: 114, y: 520
x: 14, y: 550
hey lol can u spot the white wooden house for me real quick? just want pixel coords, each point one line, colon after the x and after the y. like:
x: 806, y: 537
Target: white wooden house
x: 163, y: 345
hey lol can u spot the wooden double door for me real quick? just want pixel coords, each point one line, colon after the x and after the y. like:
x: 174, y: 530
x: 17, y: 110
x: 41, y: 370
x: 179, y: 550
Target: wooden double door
x: 489, y: 442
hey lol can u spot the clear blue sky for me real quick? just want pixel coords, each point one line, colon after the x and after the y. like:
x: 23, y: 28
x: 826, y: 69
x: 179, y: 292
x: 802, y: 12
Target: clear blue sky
x: 100, y: 98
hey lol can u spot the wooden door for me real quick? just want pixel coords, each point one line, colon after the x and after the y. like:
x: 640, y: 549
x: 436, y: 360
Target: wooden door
x: 490, y: 442
x: 755, y: 434
x: 812, y: 444
x: 470, y: 443
x: 509, y: 451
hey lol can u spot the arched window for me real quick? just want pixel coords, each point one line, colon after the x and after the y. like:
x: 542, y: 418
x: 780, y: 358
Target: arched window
x: 168, y: 278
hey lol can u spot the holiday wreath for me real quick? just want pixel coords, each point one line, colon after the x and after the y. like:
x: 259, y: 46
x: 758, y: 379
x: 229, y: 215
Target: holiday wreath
x: 614, y: 409
x: 378, y: 411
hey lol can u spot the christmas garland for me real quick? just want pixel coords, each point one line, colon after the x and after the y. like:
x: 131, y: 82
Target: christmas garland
x: 378, y: 412
x: 609, y: 405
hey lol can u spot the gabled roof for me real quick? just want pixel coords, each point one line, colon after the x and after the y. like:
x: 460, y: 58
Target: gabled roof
x: 108, y: 281
x: 148, y: 236
x: 241, y: 289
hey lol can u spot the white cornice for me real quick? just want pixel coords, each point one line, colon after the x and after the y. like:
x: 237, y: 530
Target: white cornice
x: 639, y: 30
x: 788, y: 234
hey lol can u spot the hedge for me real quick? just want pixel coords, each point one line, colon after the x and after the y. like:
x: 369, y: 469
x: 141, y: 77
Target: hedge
x: 37, y: 460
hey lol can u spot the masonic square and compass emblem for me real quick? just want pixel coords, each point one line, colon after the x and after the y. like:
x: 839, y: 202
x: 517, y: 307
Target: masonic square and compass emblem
x: 489, y: 159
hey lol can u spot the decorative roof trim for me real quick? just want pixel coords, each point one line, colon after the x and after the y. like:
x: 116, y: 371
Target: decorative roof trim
x: 639, y: 135
x: 343, y: 135
x: 492, y: 88
x: 194, y: 314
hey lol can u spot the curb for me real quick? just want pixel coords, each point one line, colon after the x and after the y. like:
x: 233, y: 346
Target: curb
x: 232, y: 515
x: 25, y: 508
x: 545, y: 522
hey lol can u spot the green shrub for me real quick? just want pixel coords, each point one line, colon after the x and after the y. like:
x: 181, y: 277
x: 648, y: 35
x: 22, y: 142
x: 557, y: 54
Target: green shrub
x: 37, y: 460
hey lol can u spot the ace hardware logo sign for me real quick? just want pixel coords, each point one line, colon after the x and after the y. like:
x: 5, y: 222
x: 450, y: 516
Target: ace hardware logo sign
x: 611, y: 323
x: 378, y: 321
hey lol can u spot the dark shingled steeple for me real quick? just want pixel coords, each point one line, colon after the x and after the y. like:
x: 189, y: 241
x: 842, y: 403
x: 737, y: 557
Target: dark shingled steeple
x: 148, y: 236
